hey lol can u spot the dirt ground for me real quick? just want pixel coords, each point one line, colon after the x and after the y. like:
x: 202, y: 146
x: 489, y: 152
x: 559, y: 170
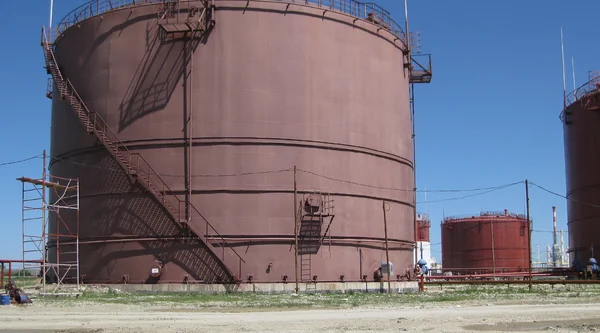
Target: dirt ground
x: 526, y: 313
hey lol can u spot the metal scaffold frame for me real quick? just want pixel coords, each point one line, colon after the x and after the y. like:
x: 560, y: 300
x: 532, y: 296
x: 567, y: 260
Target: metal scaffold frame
x: 47, y: 199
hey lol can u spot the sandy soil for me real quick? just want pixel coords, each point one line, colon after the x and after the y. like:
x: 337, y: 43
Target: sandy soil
x: 439, y: 317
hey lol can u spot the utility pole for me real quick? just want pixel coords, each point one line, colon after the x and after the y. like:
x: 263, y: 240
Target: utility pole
x: 387, y: 254
x: 296, y: 230
x: 528, y: 229
x: 44, y: 243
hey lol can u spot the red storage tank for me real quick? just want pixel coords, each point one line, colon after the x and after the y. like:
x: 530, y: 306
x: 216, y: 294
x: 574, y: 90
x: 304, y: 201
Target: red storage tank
x: 423, y: 227
x: 481, y: 243
x: 581, y: 124
x: 266, y: 86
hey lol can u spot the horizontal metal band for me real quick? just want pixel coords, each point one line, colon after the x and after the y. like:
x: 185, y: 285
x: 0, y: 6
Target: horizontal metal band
x: 240, y: 141
x: 259, y: 191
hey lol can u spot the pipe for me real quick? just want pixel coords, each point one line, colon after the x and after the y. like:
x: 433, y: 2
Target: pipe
x: 555, y: 248
x: 296, y: 232
x: 51, y: 11
x: 387, y: 254
x: 493, y: 248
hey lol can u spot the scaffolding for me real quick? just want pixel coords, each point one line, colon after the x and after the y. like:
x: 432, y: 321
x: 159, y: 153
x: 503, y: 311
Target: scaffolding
x: 51, y: 245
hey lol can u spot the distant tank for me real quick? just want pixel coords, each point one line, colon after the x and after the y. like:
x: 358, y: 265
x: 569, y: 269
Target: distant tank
x: 491, y: 240
x: 423, y: 250
x: 581, y: 123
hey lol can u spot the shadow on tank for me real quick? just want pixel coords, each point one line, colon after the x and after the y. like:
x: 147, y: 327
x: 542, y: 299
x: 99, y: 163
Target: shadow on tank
x: 158, y: 74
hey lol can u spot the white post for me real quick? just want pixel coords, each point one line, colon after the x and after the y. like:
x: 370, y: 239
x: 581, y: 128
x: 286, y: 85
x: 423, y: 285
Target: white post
x: 562, y: 48
x: 51, y: 9
x: 573, y: 67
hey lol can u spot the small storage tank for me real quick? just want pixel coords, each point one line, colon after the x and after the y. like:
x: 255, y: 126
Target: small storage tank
x: 492, y: 241
x: 423, y: 242
x: 581, y: 121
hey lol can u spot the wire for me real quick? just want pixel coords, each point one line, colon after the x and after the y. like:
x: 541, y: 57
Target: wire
x: 563, y: 196
x: 232, y: 174
x: 493, y: 188
x: 481, y: 191
x: 181, y: 176
x: 21, y: 161
x: 501, y: 187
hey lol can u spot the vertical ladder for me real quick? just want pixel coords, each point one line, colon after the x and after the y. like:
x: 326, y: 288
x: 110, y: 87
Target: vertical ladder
x: 305, y: 267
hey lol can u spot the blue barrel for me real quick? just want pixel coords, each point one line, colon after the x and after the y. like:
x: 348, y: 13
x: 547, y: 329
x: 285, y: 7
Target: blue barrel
x: 4, y: 299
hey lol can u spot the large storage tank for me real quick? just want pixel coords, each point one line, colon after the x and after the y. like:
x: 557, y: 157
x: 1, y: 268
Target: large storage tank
x: 492, y: 240
x: 581, y: 119
x: 223, y: 119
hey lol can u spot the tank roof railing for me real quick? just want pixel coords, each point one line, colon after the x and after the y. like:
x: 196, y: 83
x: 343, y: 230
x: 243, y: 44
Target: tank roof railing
x: 367, y: 11
x: 592, y: 85
x: 457, y: 218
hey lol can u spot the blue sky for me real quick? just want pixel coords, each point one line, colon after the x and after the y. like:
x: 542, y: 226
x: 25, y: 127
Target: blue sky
x: 489, y: 117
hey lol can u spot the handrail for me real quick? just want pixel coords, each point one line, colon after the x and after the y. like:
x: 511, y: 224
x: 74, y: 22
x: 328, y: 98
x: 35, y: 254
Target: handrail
x: 361, y: 10
x: 593, y: 84
x: 484, y: 215
x: 144, y: 165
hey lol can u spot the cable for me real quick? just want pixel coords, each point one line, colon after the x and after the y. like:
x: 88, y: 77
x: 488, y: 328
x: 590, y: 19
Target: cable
x: 232, y: 174
x: 563, y: 196
x: 410, y: 190
x: 182, y: 176
x: 474, y: 194
x: 21, y: 161
x: 482, y: 190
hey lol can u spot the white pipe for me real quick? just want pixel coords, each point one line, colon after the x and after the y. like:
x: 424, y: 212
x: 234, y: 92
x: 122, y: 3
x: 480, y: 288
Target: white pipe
x: 562, y: 47
x: 51, y: 10
x: 573, y: 67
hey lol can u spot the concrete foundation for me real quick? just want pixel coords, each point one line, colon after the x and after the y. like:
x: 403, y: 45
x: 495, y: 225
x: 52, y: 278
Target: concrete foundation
x: 271, y: 288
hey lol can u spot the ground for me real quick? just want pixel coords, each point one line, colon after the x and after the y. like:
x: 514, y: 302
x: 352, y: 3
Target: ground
x: 574, y: 308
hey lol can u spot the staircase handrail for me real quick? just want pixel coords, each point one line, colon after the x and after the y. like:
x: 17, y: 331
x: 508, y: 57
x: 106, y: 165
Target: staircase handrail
x: 122, y: 147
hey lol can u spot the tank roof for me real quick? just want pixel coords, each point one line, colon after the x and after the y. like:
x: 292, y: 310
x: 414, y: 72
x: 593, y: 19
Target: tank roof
x: 367, y: 11
x: 485, y: 215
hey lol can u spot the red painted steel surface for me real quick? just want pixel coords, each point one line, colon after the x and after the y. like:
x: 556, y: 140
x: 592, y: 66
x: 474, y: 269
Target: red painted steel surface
x: 423, y: 231
x: 467, y: 242
x: 582, y: 139
x: 270, y: 90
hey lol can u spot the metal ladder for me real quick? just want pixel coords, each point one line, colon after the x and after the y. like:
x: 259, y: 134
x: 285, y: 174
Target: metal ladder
x: 138, y: 169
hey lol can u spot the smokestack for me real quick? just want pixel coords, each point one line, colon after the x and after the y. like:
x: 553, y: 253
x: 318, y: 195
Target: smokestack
x: 506, y: 212
x: 556, y: 255
x: 554, y: 224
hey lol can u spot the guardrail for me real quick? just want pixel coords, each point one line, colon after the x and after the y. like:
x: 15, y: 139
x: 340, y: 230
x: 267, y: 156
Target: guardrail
x: 593, y: 84
x: 484, y: 214
x: 363, y: 10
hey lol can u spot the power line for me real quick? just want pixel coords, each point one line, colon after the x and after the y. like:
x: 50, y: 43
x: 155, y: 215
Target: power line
x: 231, y: 174
x: 481, y: 191
x: 492, y: 188
x: 501, y: 187
x: 550, y: 231
x: 21, y: 161
x: 564, y: 196
x: 181, y: 176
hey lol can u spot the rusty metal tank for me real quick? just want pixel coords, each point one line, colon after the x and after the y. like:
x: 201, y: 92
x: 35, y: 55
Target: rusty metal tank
x: 223, y: 119
x: 580, y: 124
x: 423, y: 227
x: 492, y: 240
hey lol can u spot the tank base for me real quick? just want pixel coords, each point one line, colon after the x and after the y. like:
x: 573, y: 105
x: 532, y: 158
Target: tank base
x: 269, y: 288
